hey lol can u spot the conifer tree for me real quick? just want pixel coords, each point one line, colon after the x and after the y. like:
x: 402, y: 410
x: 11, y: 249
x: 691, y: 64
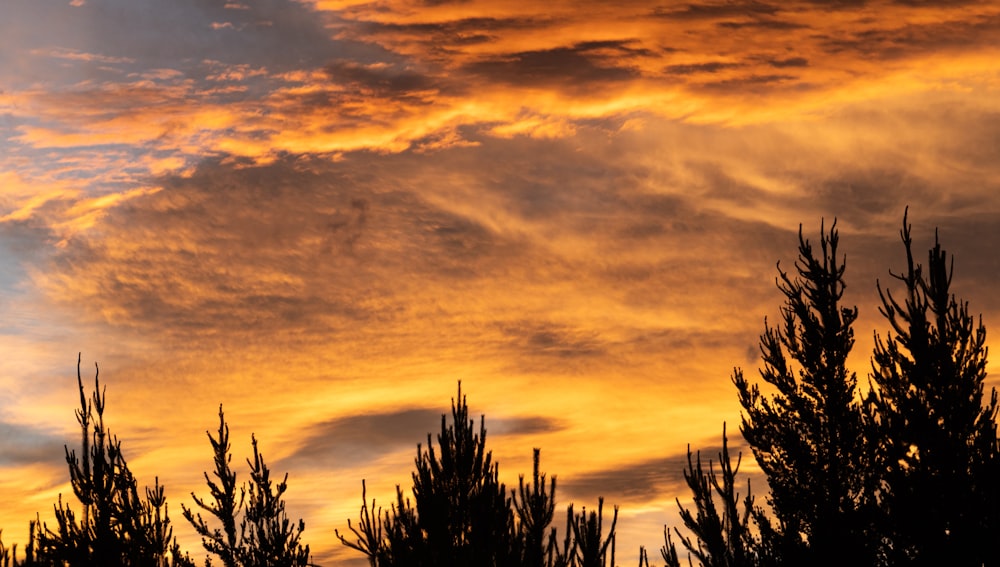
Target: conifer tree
x: 807, y: 437
x: 267, y: 537
x: 461, y: 515
x: 590, y: 546
x: 390, y: 539
x: 406, y: 541
x: 535, y: 508
x: 225, y: 505
x: 937, y: 439
x: 721, y: 538
x: 118, y: 527
x: 369, y: 531
x: 461, y: 506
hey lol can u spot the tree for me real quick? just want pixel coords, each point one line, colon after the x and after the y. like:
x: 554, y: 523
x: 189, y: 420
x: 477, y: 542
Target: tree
x: 535, y: 509
x: 590, y: 547
x: 937, y: 441
x: 117, y: 527
x: 462, y: 507
x: 461, y: 515
x: 368, y: 533
x: 808, y: 437
x: 267, y: 537
x: 270, y: 538
x: 220, y: 542
x: 720, y: 539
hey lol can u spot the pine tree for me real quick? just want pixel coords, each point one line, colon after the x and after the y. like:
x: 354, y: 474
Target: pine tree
x: 721, y: 539
x: 937, y: 439
x: 406, y: 541
x: 369, y: 532
x: 461, y: 515
x: 462, y: 507
x: 226, y: 504
x: 267, y: 537
x: 807, y: 437
x: 590, y: 546
x: 535, y: 508
x: 118, y: 527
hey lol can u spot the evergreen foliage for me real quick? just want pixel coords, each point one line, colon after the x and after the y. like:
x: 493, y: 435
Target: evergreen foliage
x: 267, y: 537
x: 117, y: 526
x: 904, y: 474
x: 590, y: 547
x: 270, y: 539
x: 721, y: 539
x: 368, y: 533
x: 535, y: 508
x: 464, y: 511
x: 219, y: 542
x: 935, y: 439
x: 808, y: 437
x: 462, y: 516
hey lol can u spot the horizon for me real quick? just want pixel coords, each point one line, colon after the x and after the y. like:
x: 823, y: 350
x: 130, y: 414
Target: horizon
x: 324, y: 214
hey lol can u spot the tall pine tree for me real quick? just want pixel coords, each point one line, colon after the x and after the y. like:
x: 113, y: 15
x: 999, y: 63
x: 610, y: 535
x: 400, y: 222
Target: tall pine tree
x: 535, y: 507
x: 463, y: 508
x: 936, y: 430
x: 807, y: 436
x: 221, y: 542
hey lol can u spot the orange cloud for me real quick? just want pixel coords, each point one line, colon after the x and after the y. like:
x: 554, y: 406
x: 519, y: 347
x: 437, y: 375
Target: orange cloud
x: 22, y: 199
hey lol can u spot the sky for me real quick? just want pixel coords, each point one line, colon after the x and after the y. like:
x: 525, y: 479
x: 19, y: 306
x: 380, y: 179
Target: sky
x: 324, y: 214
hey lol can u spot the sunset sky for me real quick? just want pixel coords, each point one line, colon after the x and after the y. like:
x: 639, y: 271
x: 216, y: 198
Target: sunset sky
x: 324, y: 214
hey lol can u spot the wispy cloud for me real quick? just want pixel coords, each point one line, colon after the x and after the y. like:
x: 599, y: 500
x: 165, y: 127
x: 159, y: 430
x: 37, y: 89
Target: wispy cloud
x: 75, y: 55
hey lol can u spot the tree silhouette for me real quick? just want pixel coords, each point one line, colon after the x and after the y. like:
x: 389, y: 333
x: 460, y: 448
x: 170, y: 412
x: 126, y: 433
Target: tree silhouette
x: 462, y: 508
x: 937, y: 442
x: 535, y: 509
x: 590, y: 547
x: 267, y: 537
x: 270, y: 538
x: 118, y: 527
x: 461, y: 514
x: 904, y: 474
x: 222, y: 542
x: 721, y: 539
x: 808, y: 436
x: 368, y: 533
x: 406, y: 543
